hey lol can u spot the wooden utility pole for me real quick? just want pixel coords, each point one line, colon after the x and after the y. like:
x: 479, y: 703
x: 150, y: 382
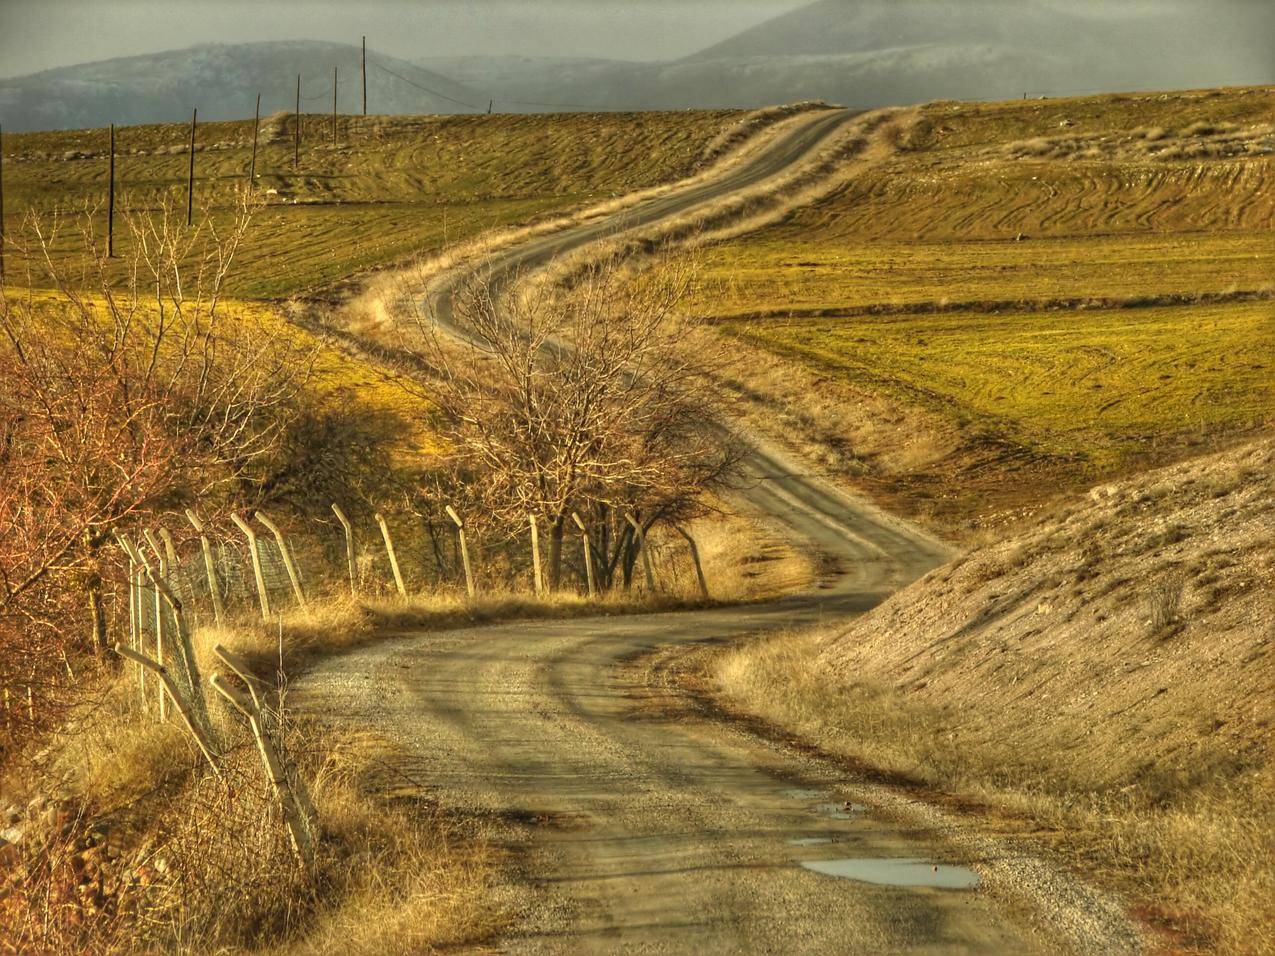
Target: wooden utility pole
x: 256, y: 126
x: 110, y: 202
x: 296, y: 130
x: 490, y: 104
x: 1, y: 205
x: 365, y: 76
x: 334, y: 106
x: 190, y: 179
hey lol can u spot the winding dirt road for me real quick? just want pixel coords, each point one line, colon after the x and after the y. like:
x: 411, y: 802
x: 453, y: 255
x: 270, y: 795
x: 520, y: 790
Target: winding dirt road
x: 642, y: 822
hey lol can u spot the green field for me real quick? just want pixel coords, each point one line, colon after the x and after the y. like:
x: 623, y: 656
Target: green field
x: 1088, y: 281
x: 772, y: 275
x: 389, y: 188
x: 1096, y: 384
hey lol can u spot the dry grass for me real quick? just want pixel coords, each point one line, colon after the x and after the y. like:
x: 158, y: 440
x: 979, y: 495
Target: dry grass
x: 128, y: 843
x: 1098, y: 686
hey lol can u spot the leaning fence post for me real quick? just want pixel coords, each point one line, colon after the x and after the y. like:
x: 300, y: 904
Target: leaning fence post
x: 288, y: 563
x: 240, y: 668
x: 389, y: 550
x: 588, y: 555
x: 174, y: 561
x: 170, y: 548
x: 186, y: 650
x: 535, y: 554
x: 349, y: 545
x: 464, y: 550
x: 263, y: 596
x: 299, y: 827
x: 699, y: 568
x: 646, y: 556
x: 182, y: 705
x: 214, y: 591
x: 136, y: 555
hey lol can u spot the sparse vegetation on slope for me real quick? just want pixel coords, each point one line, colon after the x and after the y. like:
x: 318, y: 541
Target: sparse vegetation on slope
x: 1105, y: 674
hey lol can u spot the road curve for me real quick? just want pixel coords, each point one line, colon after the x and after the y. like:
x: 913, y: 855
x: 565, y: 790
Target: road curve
x: 640, y: 822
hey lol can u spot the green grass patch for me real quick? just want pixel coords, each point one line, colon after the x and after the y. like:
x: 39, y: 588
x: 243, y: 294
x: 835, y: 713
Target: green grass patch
x: 1098, y: 385
x: 778, y: 273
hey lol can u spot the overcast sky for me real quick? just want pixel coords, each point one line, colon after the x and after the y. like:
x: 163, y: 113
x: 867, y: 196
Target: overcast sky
x: 40, y: 34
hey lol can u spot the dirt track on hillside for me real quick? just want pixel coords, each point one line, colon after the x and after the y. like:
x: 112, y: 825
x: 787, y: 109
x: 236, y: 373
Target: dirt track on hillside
x: 640, y: 821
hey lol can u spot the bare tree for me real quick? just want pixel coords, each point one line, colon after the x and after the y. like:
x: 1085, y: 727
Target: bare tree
x: 578, y: 401
x: 129, y: 387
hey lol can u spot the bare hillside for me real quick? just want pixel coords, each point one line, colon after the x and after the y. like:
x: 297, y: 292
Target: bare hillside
x: 1102, y: 681
x: 1131, y: 632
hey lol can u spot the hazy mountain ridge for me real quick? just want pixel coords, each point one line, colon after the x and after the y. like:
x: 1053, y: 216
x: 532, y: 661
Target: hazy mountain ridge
x: 875, y: 52
x: 222, y: 81
x: 855, y: 52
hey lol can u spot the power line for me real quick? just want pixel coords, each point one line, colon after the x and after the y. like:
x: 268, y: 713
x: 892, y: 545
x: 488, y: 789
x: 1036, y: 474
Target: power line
x: 426, y: 89
x: 496, y: 99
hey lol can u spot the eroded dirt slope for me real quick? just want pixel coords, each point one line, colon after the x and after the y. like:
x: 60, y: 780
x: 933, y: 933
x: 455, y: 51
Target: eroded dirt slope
x: 1129, y: 632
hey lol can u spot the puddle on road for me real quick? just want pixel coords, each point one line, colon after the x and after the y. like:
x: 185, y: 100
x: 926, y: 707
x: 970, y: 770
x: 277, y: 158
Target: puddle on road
x: 897, y: 872
x: 841, y: 811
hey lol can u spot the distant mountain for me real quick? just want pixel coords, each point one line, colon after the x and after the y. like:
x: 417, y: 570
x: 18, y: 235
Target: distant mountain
x: 1049, y: 46
x: 876, y: 52
x: 855, y: 52
x: 222, y: 81
x: 838, y: 27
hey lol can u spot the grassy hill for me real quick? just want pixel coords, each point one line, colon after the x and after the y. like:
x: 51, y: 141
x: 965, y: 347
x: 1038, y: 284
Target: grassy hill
x: 389, y: 188
x: 1053, y: 292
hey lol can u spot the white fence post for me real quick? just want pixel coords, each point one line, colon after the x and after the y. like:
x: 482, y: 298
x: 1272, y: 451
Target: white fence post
x: 646, y: 555
x: 349, y: 545
x: 288, y: 563
x: 214, y: 591
x: 588, y: 555
x: 263, y: 596
x: 535, y: 554
x: 389, y: 549
x: 464, y: 550
x: 699, y: 568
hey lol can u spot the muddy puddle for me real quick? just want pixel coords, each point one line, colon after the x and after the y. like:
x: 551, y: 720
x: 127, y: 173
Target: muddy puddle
x: 841, y: 811
x: 897, y: 872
